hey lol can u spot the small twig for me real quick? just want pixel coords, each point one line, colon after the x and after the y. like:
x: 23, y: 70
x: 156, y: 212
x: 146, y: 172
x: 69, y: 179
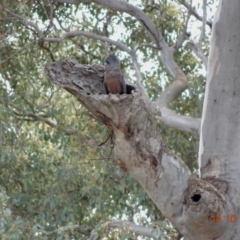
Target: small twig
x: 109, y: 136
x: 137, y: 229
x: 26, y: 22
x: 182, y: 36
x: 197, y: 47
x: 194, y: 12
x: 17, y: 52
x: 202, y: 35
x: 32, y: 117
x: 76, y: 33
x: 199, y: 53
x: 105, y: 28
x: 146, y: 45
x: 80, y: 228
x: 138, y: 75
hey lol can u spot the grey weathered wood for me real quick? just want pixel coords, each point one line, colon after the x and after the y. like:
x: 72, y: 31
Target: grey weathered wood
x: 140, y: 150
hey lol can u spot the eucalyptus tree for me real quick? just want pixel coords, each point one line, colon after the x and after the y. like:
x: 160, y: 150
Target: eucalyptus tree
x: 153, y: 39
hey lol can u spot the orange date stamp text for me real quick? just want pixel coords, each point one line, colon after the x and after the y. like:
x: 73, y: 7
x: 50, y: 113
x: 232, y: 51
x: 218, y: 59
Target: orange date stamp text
x: 230, y: 218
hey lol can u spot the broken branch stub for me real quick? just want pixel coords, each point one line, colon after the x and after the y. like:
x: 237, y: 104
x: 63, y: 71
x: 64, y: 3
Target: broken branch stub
x: 86, y: 83
x: 126, y: 115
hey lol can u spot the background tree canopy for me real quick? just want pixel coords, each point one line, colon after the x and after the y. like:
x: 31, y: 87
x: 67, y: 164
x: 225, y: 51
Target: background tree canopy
x: 56, y: 179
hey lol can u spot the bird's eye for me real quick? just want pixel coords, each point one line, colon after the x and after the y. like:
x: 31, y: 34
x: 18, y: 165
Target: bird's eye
x: 107, y: 62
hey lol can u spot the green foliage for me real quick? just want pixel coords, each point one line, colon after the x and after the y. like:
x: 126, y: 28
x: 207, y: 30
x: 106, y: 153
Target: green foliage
x: 52, y: 178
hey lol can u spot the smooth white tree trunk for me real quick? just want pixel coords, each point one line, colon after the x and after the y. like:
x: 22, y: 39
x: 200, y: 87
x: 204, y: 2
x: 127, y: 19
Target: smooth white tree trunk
x: 220, y: 132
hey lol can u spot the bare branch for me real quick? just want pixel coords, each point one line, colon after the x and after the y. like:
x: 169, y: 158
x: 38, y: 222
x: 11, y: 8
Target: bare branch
x: 29, y: 116
x: 94, y: 235
x: 201, y: 38
x: 182, y: 36
x: 105, y: 28
x: 139, y: 230
x: 199, y: 53
x: 177, y: 121
x: 197, y: 47
x: 146, y: 45
x: 169, y: 117
x: 89, y: 35
x: 84, y: 229
x: 194, y: 12
x: 139, y: 80
x: 49, y: 13
x: 24, y: 21
x: 173, y: 91
x: 114, y: 224
x: 123, y: 6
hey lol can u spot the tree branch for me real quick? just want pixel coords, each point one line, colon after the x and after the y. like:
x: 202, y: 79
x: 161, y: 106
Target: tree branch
x: 197, y: 47
x: 140, y: 85
x: 84, y: 229
x: 169, y: 117
x: 29, y: 116
x: 194, y: 12
x: 199, y: 53
x: 182, y: 36
x: 123, y: 6
x: 202, y: 35
x: 105, y: 28
x: 76, y: 33
x: 132, y: 227
x: 25, y: 22
x: 146, y: 45
x: 114, y: 224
